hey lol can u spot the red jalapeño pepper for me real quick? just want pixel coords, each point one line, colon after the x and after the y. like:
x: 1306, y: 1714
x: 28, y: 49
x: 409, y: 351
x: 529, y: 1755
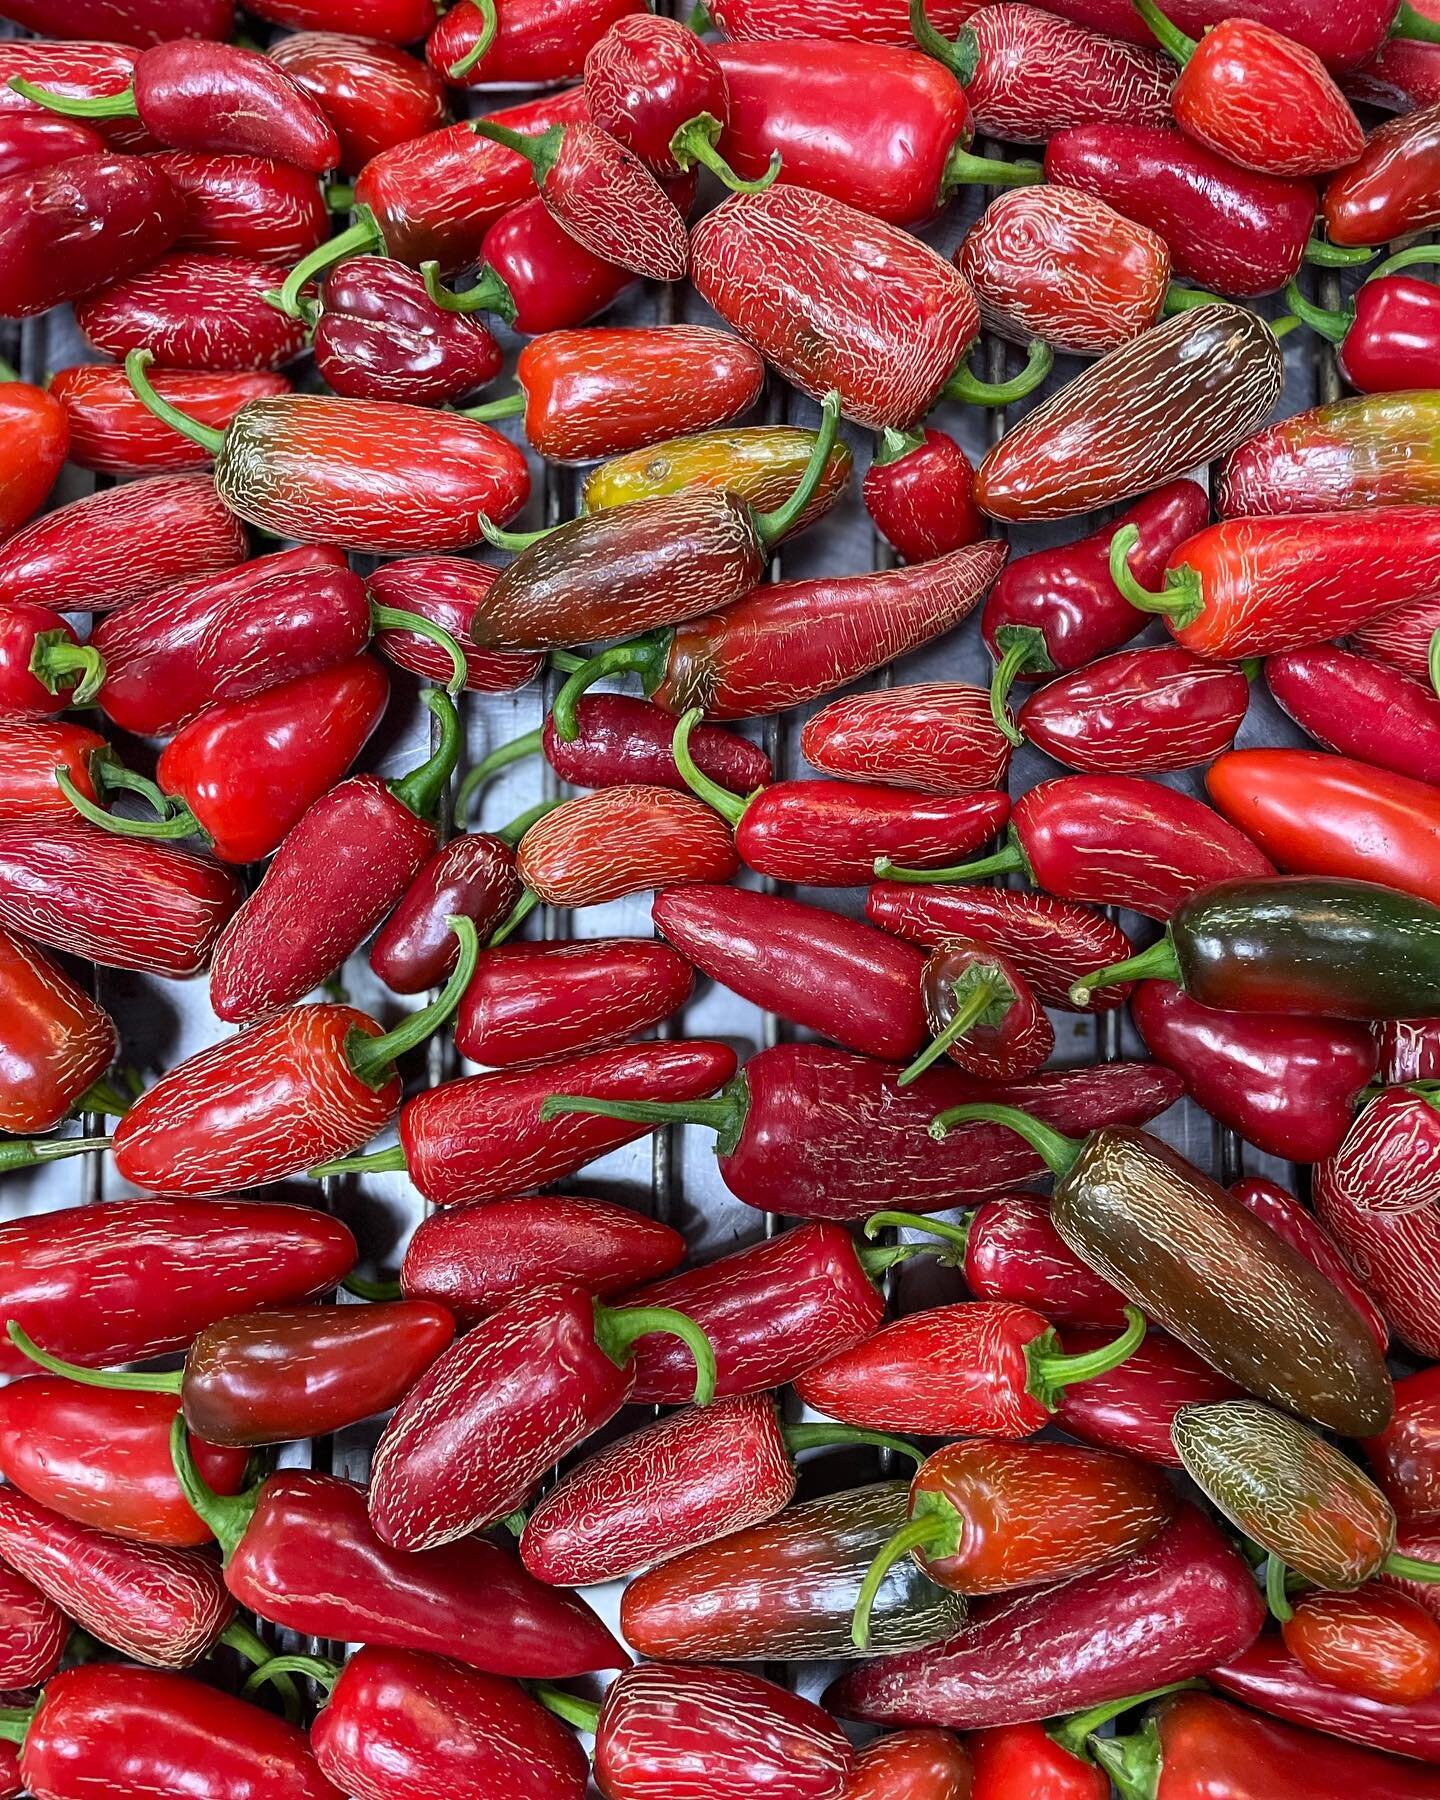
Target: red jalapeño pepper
x: 920, y: 492
x: 623, y: 840
x: 447, y: 591
x: 935, y: 736
x: 1374, y: 1641
x: 415, y: 948
x: 1402, y: 639
x: 1388, y: 192
x: 391, y: 21
x: 379, y: 336
x: 113, y: 546
x: 43, y: 667
x: 1288, y: 1219
x: 123, y: 905
x: 474, y: 1435
x: 30, y: 753
x: 374, y: 95
x: 1386, y: 337
x: 1024, y: 1762
x: 1180, y: 1604
x: 246, y: 205
x: 876, y: 22
x: 1013, y: 1252
x: 1132, y: 1409
x: 304, y: 1084
x: 474, y: 1258
x: 917, y: 1765
x: 500, y: 43
x: 86, y: 69
x: 36, y: 444
x: 34, y: 140
x: 33, y: 1635
x: 55, y: 1041
x: 113, y: 434
x: 138, y: 22
x: 981, y: 1014
x: 1403, y: 1457
x: 1143, y: 711
x: 329, y: 470
x: 194, y: 311
x: 1079, y: 836
x: 554, y: 282
x: 1363, y: 452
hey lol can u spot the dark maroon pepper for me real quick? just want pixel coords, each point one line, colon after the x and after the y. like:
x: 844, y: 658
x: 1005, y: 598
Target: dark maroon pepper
x: 379, y: 336
x: 472, y: 876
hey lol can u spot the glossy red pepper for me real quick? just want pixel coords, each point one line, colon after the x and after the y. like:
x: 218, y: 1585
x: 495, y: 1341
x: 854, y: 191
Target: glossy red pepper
x: 1404, y: 75
x: 1132, y: 1408
x: 1024, y: 1762
x: 874, y: 1151
x: 874, y: 22
x: 415, y: 948
x: 1403, y: 1457
x: 304, y: 1084
x: 1013, y: 1252
x: 1374, y: 1641
x: 36, y: 439
x: 34, y: 140
x: 43, y: 667
x: 374, y: 95
x: 791, y: 641
x: 1386, y: 337
x: 1140, y: 711
x: 447, y: 591
x: 1037, y: 74
x: 123, y: 905
x: 113, y: 434
x: 87, y: 69
x: 55, y: 1041
x: 193, y: 311
x: 1080, y: 836
x: 916, y: 1765
x: 522, y: 1388
x: 623, y: 840
x: 69, y: 227
x: 504, y: 43
x: 1341, y: 40
x: 935, y: 736
x: 30, y: 753
x: 531, y: 1002
x: 833, y: 975
x: 1045, y: 937
x: 389, y: 21
x: 1352, y: 453
x: 981, y: 1014
x: 554, y: 282
x: 1175, y: 1608
x: 920, y: 492
x: 1288, y: 1219
x: 621, y: 742
x: 474, y: 1258
x: 1388, y: 192
x: 1288, y: 1086
x: 379, y: 336
x: 484, y: 1138
x: 248, y: 206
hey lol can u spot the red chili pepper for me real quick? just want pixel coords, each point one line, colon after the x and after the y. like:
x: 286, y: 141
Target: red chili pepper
x: 192, y: 95
x: 87, y: 69
x: 519, y: 42
x: 34, y: 431
x: 248, y: 206
x: 1401, y: 639
x: 190, y: 311
x: 113, y: 434
x: 1112, y: 840
x: 30, y: 753
x: 531, y: 1002
x: 447, y: 591
x: 1341, y: 40
x: 982, y: 1015
x: 522, y: 1388
x: 390, y: 21
x: 374, y: 95
x: 1353, y: 453
x: 1400, y: 78
x: 791, y: 641
x: 1288, y: 1086
x: 936, y: 736
x: 484, y: 1138
x: 475, y: 876
x: 1388, y: 192
x: 870, y: 1147
x: 1328, y: 815
x: 1184, y: 392
x: 1386, y: 337
x: 1013, y: 1252
x: 917, y: 1765
x: 43, y: 667
x: 337, y: 471
x: 123, y: 905
x: 33, y: 1632
x: 139, y: 22
x: 920, y: 492
x: 474, y: 1258
x: 1133, y: 1407
x: 623, y: 840
x: 1179, y: 1605
x: 1288, y: 1219
x: 139, y: 1278
x: 34, y: 140
x: 1403, y: 1456
x: 1375, y: 1642
x: 379, y: 336
x: 554, y: 282
x: 1045, y: 937
x: 1024, y: 1762
x: 874, y: 22
x: 304, y: 1084
x: 55, y: 1041
x: 833, y: 975
x: 1141, y: 711
x: 70, y: 227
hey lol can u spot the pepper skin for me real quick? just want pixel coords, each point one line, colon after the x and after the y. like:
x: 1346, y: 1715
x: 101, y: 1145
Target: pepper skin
x: 113, y: 434
x: 85, y: 69
x: 532, y: 43
x: 1050, y: 941
x: 1401, y: 639
x: 1023, y: 1762
x: 1132, y: 1408
x: 1183, y: 393
x: 503, y: 1405
x: 876, y: 22
x: 1038, y: 74
x: 1288, y: 1219
x: 68, y: 228
x: 447, y: 590
x: 1013, y: 1252
x: 1389, y: 191
x: 622, y: 840
x: 30, y: 753
x: 1403, y: 1457
x: 1177, y: 1607
x: 917, y: 1765
x: 760, y: 463
x: 125, y: 905
x: 786, y: 1589
x: 981, y: 1014
x: 55, y: 1041
x: 415, y: 948
x: 380, y: 336
x: 1371, y: 451
x: 1387, y: 342
x: 873, y: 1152
x: 1115, y: 273
x: 30, y: 141
x: 374, y: 95
x: 33, y: 1631
x: 920, y: 492
x: 391, y: 21
x: 1409, y: 1050
x: 1317, y: 814
x: 103, y: 1459
x: 36, y: 440
x: 623, y: 741
x: 833, y: 975
x: 193, y: 311
x: 554, y: 283
x: 474, y: 1258
x: 935, y: 736
x: 813, y: 284
x: 246, y: 206
x: 1288, y: 1086
x: 1374, y: 1641
x: 1141, y: 711
x: 43, y: 669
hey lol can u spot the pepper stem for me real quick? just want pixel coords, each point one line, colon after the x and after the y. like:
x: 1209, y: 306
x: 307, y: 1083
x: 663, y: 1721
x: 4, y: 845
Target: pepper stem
x: 522, y: 910
x: 1181, y: 601
x: 541, y: 149
x: 961, y: 58
x: 15, y: 1722
x: 1408, y: 23
x: 1132, y: 1763
x: 1058, y: 1152
x: 106, y: 1099
x: 339, y: 196
x: 177, y: 820
x: 644, y: 656
x: 1435, y: 662
x: 893, y: 446
x: 322, y: 1672
x: 515, y: 541
x: 371, y: 1058
x: 29, y: 1153
x: 1022, y: 650
x: 1180, y: 299
x: 1158, y: 963
x: 770, y: 527
x: 1051, y: 1370
x: 1001, y: 862
x: 984, y: 995
x: 957, y: 1236
x: 489, y: 292
x: 1410, y: 1568
x: 421, y: 789
x: 530, y: 743
x: 512, y: 833
x: 1330, y: 325
x: 697, y: 141
x: 166, y: 1383
x: 730, y: 806
x: 1337, y: 256
x: 1275, y: 1596
x: 964, y: 386
x: 822, y: 1437
x: 584, y: 1715
x: 1071, y: 1735
x: 508, y: 406
x: 1406, y: 259
x: 1171, y: 39
x: 488, y: 27
x: 56, y: 661
x: 724, y: 1115
x: 357, y: 239
x: 227, y: 1515
x: 395, y: 618
x: 964, y: 170
x: 927, y: 1531
x: 391, y: 1160
x: 618, y: 1328
x: 206, y: 436
x: 363, y: 1288
x: 79, y: 106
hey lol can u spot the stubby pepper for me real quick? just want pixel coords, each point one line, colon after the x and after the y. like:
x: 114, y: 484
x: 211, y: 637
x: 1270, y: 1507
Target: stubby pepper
x: 500, y: 42
x: 916, y: 1765
x: 623, y: 840
x: 246, y: 205
x: 43, y: 666
x: 55, y: 1041
x: 1025, y: 1762
x: 1386, y: 337
x: 415, y: 948
x: 554, y: 282
x: 1144, y: 711
x: 36, y: 438
x: 982, y: 1015
x: 1371, y: 1641
x: 191, y: 310
x: 379, y: 336
x: 920, y: 491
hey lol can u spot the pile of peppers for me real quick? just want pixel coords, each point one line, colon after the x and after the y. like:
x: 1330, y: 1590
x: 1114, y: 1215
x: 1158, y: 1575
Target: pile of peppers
x: 1034, y: 1317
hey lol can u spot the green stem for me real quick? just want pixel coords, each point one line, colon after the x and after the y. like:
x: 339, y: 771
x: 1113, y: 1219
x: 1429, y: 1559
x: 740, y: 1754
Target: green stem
x: 541, y: 149
x: 1071, y: 1735
x: 1332, y: 326
x: 824, y: 1437
x: 227, y: 1515
x: 56, y: 661
x: 531, y: 743
x: 167, y: 1383
x: 508, y: 406
x: 617, y: 1329
x: 421, y: 789
x: 1435, y: 662
x: 317, y: 1668
x: 964, y: 170
x: 395, y: 618
x: 724, y: 1115
x: 645, y: 656
x: 15, y: 1722
x: 770, y: 527
x: 29, y: 1153
x: 1132, y: 1763
x: 1275, y: 1596
x: 489, y: 292
x: 512, y: 833
x: 893, y: 446
x: 1410, y: 1568
x: 389, y: 1161
x: 8, y: 371
x: 1051, y: 1370
x: 566, y: 661
x: 514, y: 541
x: 1001, y: 862
x: 1181, y: 600
x: 1058, y: 1152
x: 961, y: 58
x: 956, y: 1236
x: 1180, y: 299
x: 1414, y: 25
x: 178, y: 822
x: 1023, y: 650
x: 1171, y: 39
x: 372, y: 1059
x: 584, y: 1715
x: 924, y: 1532
x: 79, y: 106
x: 973, y: 1009
x: 1336, y: 256
x: 1406, y: 259
x: 1280, y: 328
x: 363, y: 1288
x: 697, y: 141
x: 252, y: 1649
x: 339, y: 196
x: 731, y: 807
x: 206, y: 436
x: 357, y: 239
x: 521, y: 911
x: 1158, y: 963
x: 964, y: 386
x: 489, y: 24
x: 106, y: 1099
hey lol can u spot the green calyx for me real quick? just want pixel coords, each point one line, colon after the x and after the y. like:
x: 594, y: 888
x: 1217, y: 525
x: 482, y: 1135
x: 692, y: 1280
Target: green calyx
x: 489, y: 292
x: 946, y: 1243
x: 395, y: 618
x: 79, y: 106
x: 390, y: 1161
x: 724, y: 1115
x: 961, y: 58
x: 517, y: 542
x: 1408, y: 23
x: 210, y: 440
x: 1332, y: 326
x: 1051, y: 1371
x: 1181, y: 600
x: 1171, y: 39
x: 969, y: 388
x: 360, y: 238
x: 15, y: 1722
x: 731, y: 807
x: 530, y: 743
x: 372, y: 1059
x: 1132, y: 1763
x: 696, y: 141
x: 618, y: 1328
x: 935, y: 1529
x: 228, y: 1516
x: 421, y: 789
x: 30, y: 1153
x: 541, y: 149
x: 1058, y: 1152
x: 1072, y: 1734
x: 645, y: 656
x: 894, y: 446
x: 1158, y: 963
x: 489, y: 25
x: 57, y: 661
x: 982, y: 996
x: 166, y: 1383
x: 770, y: 527
x: 1009, y: 860
x: 1022, y: 651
